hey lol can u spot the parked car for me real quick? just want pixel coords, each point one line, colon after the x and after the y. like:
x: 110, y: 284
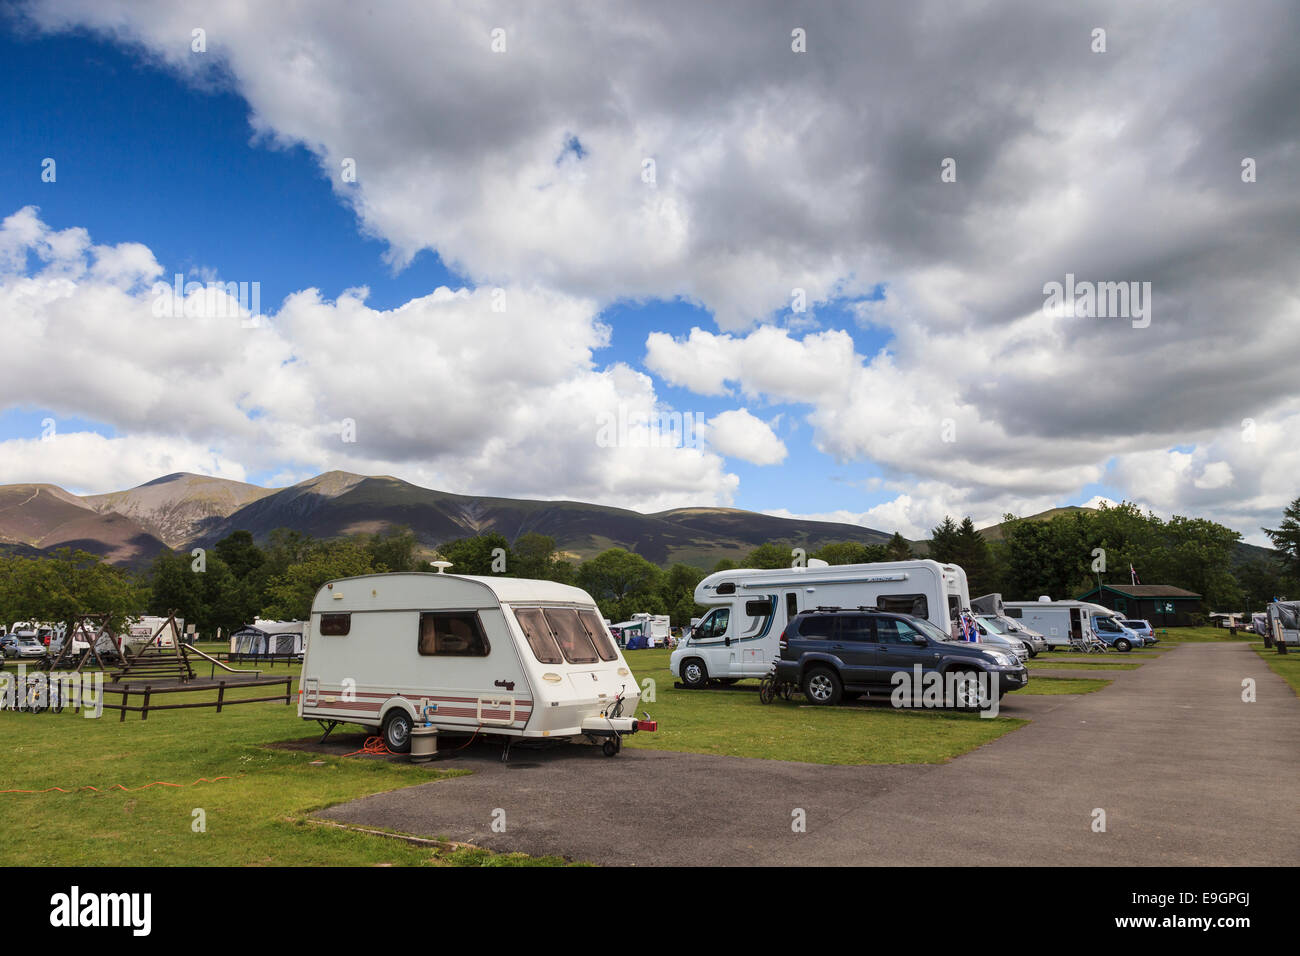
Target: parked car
x: 1142, y: 629
x: 1114, y: 634
x: 994, y: 632
x: 836, y: 655
x: 29, y: 646
x: 9, y: 645
x: 1030, y: 638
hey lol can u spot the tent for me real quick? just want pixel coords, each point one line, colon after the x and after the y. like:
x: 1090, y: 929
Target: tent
x: 263, y: 638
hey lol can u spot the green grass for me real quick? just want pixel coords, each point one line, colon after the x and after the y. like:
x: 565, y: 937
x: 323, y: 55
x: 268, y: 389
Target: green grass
x: 1286, y: 666
x: 257, y: 817
x: 1201, y: 635
x: 735, y: 723
x: 1083, y: 661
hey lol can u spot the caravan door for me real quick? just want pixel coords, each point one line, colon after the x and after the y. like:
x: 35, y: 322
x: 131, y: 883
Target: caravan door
x: 754, y: 645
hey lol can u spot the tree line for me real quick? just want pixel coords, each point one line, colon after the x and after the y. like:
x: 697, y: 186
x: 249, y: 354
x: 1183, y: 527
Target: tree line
x: 238, y: 580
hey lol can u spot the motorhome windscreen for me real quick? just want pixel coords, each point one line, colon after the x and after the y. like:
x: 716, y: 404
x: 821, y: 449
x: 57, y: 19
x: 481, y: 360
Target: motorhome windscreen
x: 568, y: 630
x: 596, y: 631
x: 913, y: 604
x: 539, y: 635
x: 452, y: 634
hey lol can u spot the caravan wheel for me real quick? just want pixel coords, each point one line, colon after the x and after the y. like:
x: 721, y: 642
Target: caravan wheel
x: 397, y: 731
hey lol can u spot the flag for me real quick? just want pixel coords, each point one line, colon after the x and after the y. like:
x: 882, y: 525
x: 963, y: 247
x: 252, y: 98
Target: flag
x: 1133, y: 575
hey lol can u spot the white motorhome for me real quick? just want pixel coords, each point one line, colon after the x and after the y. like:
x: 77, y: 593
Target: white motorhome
x: 739, y: 637
x: 1062, y: 621
x: 489, y: 655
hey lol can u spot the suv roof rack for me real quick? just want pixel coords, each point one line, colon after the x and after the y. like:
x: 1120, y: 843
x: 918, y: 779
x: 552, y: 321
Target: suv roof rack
x: 835, y: 607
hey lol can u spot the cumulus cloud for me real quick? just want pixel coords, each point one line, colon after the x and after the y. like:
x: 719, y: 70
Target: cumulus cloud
x: 469, y: 391
x: 738, y: 434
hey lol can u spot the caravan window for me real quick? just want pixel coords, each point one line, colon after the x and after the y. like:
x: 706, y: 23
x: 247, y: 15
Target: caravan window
x: 539, y: 635
x: 568, y: 630
x: 596, y: 631
x: 913, y: 604
x: 335, y: 625
x: 452, y: 634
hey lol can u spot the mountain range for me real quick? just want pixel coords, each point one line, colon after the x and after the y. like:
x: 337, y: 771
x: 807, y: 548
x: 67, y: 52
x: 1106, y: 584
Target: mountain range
x: 182, y: 511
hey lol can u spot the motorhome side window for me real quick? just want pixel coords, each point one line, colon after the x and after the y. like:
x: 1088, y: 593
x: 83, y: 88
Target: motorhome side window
x: 913, y: 604
x: 1014, y: 612
x: 568, y: 630
x: 335, y: 625
x: 539, y: 635
x: 452, y: 634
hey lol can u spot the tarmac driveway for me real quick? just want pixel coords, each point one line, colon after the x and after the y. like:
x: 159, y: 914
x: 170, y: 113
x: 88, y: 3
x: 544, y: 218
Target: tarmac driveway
x: 1185, y: 771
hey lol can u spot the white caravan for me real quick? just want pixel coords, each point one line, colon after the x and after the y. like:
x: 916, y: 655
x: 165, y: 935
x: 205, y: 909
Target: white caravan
x: 1062, y: 621
x: 487, y: 655
x: 738, y: 638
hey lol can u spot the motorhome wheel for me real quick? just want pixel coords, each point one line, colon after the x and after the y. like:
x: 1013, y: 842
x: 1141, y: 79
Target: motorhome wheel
x: 694, y: 673
x: 397, y: 731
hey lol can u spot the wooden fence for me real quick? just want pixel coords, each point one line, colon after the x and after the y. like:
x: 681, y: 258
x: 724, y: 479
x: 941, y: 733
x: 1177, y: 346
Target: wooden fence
x: 148, y: 693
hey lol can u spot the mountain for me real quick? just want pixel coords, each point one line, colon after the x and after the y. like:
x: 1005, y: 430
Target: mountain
x: 45, y: 517
x: 178, y: 508
x: 337, y: 504
x: 183, y: 510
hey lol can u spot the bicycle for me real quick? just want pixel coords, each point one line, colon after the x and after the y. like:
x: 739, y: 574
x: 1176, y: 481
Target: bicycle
x: 772, y: 687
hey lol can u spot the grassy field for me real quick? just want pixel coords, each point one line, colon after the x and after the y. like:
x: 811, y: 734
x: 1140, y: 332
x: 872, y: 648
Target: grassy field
x: 254, y: 810
x: 255, y: 800
x: 734, y: 723
x: 1286, y: 666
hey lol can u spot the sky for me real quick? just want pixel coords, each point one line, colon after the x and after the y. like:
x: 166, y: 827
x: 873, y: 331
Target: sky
x: 793, y: 258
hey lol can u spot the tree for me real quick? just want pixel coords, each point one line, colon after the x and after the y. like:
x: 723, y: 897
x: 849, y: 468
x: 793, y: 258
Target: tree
x: 240, y: 554
x: 1286, y: 539
x: 898, y: 549
x: 851, y: 552
x: 479, y: 555
x: 393, y: 549
x: 622, y: 583
x: 943, y: 541
x: 291, y: 593
x: 66, y: 584
x: 972, y: 554
x: 770, y: 555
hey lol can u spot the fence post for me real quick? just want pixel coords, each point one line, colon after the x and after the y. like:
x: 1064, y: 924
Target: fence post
x: 221, y: 695
x: 125, y: 694
x: 144, y: 713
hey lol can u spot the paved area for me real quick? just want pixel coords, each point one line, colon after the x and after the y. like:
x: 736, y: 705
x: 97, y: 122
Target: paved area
x: 1185, y: 771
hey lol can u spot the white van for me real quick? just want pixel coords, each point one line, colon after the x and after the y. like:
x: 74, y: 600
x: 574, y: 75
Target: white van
x: 1061, y: 621
x: 738, y: 638
x: 488, y: 655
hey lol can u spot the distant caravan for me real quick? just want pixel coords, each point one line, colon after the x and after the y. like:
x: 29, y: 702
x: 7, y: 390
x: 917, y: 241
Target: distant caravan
x: 476, y: 655
x: 739, y: 638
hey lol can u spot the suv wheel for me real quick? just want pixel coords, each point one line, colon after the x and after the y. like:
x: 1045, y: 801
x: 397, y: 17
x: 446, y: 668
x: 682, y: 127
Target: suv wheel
x: 1123, y: 644
x: 822, y: 686
x: 694, y: 674
x: 969, y: 692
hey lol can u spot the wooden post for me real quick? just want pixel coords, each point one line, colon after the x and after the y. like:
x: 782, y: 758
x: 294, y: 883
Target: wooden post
x: 221, y: 695
x: 144, y: 714
x: 125, y: 694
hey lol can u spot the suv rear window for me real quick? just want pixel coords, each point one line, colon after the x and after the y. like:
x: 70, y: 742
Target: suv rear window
x: 817, y: 625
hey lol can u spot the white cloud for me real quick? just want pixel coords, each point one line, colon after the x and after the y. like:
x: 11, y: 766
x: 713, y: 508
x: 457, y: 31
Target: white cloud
x: 444, y: 390
x: 738, y: 434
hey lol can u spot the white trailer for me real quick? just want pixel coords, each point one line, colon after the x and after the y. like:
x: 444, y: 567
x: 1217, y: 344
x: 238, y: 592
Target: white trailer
x: 1061, y: 622
x: 490, y: 655
x: 739, y: 638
